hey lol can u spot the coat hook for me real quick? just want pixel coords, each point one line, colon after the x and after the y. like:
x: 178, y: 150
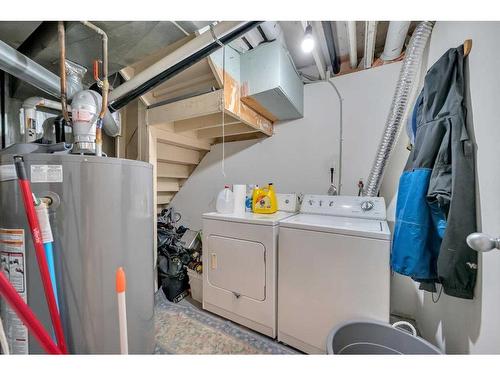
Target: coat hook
x: 467, y: 47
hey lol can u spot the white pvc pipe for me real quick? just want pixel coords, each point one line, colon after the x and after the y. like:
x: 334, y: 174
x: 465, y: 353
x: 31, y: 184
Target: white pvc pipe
x: 370, y: 35
x: 394, y: 41
x: 353, y: 44
x: 4, y: 343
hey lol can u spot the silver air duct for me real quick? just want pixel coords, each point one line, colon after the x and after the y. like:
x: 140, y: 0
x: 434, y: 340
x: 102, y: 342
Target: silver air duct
x: 20, y: 66
x: 407, y: 75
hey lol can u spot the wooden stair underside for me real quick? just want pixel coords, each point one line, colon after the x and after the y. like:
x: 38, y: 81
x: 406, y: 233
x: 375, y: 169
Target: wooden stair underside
x: 175, y: 136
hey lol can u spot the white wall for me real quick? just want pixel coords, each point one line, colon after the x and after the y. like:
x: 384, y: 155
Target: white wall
x: 461, y: 326
x: 298, y: 157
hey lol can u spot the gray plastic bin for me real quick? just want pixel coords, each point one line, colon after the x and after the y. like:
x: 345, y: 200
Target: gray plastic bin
x: 371, y: 337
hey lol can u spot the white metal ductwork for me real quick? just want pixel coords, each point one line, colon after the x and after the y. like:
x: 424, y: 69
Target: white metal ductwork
x: 394, y: 42
x: 27, y: 70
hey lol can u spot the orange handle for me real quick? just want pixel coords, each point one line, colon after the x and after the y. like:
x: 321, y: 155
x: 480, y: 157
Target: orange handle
x: 96, y: 70
x: 121, y: 282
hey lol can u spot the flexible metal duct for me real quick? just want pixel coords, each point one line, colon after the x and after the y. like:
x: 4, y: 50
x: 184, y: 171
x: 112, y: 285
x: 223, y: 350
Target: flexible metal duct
x: 407, y: 75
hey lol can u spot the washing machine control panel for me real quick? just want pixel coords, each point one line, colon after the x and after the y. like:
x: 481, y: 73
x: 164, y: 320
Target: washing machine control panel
x: 343, y: 205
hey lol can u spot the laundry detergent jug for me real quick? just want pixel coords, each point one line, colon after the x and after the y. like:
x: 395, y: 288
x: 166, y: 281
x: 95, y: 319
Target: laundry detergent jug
x: 264, y: 200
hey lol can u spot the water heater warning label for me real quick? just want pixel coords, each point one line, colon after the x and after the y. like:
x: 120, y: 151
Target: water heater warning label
x: 46, y: 173
x: 13, y: 265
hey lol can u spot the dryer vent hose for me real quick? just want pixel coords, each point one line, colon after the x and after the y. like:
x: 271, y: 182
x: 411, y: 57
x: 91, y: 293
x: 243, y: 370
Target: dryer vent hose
x: 407, y: 76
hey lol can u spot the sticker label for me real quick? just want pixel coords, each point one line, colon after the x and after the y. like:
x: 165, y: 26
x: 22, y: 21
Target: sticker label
x: 46, y: 173
x: 8, y: 172
x: 13, y: 265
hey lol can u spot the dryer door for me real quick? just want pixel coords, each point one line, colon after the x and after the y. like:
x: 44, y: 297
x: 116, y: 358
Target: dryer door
x: 238, y: 266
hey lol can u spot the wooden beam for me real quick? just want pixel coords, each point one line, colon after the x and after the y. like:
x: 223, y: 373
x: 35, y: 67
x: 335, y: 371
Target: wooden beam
x: 188, y: 108
x: 228, y: 131
x: 203, y: 122
x: 171, y: 138
x: 177, y: 155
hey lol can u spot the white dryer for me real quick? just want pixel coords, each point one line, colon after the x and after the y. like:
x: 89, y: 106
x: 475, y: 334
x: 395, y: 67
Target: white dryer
x: 333, y: 267
x: 240, y: 267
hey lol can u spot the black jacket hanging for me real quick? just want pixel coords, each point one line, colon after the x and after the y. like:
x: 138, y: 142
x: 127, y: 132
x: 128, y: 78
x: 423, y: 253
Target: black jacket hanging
x: 444, y: 152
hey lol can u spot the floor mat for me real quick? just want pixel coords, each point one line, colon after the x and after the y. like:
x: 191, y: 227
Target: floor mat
x: 182, y: 328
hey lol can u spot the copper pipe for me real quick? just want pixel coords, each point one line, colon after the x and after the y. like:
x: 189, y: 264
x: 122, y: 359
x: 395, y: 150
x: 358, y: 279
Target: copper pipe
x: 62, y: 69
x: 105, y: 85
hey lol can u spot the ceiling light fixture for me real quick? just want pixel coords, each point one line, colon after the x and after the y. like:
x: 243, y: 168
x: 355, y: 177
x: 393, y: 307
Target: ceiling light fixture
x: 308, y: 41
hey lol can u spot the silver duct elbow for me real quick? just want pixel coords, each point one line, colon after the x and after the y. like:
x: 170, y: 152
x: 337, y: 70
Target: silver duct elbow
x: 407, y: 75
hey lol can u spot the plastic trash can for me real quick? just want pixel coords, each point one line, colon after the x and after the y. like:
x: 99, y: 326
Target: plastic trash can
x: 372, y: 337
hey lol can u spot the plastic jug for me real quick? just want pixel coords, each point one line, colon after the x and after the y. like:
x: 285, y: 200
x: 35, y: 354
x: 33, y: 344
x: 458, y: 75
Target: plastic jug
x: 264, y: 200
x: 225, y: 201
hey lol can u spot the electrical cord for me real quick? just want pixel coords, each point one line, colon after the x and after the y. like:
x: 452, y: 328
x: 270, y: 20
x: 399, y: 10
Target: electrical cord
x: 341, y: 124
x: 223, y: 97
x: 435, y: 300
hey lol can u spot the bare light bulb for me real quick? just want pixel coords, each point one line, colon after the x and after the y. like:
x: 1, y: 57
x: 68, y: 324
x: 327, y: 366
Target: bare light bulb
x: 308, y: 41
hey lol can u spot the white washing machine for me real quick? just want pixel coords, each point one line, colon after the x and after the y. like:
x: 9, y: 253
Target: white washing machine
x: 333, y: 267
x: 240, y: 267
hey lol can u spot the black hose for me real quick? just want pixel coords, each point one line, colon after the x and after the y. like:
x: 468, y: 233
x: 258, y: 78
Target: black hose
x: 332, y: 49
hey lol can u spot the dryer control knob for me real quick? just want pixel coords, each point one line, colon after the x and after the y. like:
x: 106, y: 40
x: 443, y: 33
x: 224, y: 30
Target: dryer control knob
x: 367, y: 205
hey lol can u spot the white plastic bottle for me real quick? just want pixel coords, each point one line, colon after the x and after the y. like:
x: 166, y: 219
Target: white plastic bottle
x: 225, y: 201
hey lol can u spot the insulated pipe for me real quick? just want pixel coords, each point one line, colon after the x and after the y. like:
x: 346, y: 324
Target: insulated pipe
x: 27, y: 316
x: 29, y: 114
x: 395, y: 39
x: 27, y: 194
x: 370, y: 35
x: 62, y: 69
x: 353, y: 44
x: 179, y: 60
x: 105, y: 86
x: 407, y: 75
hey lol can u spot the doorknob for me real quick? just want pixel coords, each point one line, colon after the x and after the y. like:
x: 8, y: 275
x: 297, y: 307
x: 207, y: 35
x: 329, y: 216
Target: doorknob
x: 483, y: 242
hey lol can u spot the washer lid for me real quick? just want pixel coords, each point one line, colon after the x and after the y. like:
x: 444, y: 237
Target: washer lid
x: 341, y: 225
x: 250, y: 217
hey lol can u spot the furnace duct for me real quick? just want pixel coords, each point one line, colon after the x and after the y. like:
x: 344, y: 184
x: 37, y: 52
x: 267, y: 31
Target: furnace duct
x: 407, y: 75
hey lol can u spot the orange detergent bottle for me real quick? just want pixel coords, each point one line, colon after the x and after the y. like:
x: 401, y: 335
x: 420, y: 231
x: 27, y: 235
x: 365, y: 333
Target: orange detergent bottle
x: 264, y: 200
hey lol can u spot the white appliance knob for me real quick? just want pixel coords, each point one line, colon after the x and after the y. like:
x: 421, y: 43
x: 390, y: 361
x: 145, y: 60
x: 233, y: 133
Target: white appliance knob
x: 367, y: 205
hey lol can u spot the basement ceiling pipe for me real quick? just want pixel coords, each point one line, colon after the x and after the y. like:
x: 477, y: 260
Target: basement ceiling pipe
x: 330, y: 43
x: 407, y: 77
x: 353, y: 44
x: 179, y: 60
x: 25, y: 69
x: 20, y: 66
x: 370, y: 35
x: 395, y: 39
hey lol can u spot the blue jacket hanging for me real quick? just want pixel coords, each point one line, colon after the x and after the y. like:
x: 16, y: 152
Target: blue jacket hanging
x: 435, y: 208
